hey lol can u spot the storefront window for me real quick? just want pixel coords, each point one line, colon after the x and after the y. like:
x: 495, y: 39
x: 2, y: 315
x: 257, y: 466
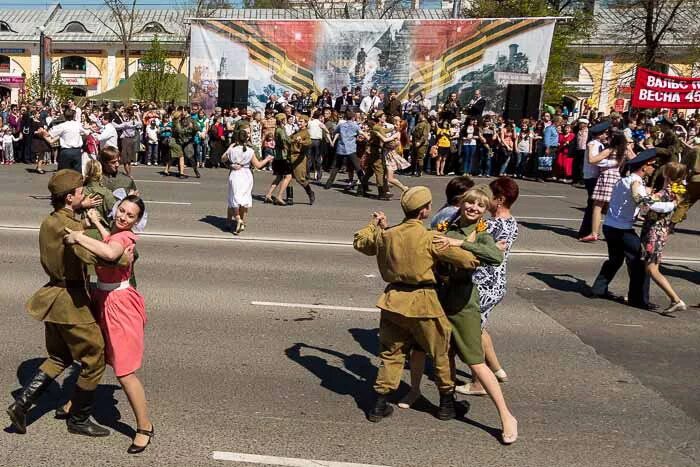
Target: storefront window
x: 73, y: 63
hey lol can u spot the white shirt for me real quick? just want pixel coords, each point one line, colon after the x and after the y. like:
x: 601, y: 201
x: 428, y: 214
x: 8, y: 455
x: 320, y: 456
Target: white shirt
x: 593, y: 170
x: 315, y: 129
x: 369, y: 103
x: 622, y: 207
x: 69, y: 134
x: 108, y: 137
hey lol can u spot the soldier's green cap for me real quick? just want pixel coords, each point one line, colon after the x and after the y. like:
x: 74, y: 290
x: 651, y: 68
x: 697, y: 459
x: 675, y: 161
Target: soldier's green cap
x: 281, y: 117
x: 415, y: 198
x: 303, y: 117
x: 64, y: 181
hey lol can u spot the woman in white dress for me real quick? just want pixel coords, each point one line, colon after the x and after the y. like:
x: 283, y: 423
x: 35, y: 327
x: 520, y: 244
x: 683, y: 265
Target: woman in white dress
x: 240, y: 158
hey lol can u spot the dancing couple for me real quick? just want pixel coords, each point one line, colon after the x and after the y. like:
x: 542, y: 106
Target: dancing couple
x: 115, y: 336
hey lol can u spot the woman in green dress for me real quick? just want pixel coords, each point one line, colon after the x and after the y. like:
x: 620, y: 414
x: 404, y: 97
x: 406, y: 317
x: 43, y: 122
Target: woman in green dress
x: 460, y: 299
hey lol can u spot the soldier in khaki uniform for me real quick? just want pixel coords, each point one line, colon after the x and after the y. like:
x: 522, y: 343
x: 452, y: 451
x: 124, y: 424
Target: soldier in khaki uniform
x: 421, y: 136
x: 299, y: 149
x: 63, y: 304
x: 410, y: 311
x: 377, y: 162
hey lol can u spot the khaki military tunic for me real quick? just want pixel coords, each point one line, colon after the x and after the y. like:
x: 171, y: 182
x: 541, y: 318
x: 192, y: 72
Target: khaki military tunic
x: 421, y: 133
x: 64, y: 304
x: 300, y: 142
x: 411, y: 312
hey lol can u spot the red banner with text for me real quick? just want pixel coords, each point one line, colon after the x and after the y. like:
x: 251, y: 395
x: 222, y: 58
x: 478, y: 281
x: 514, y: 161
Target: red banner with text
x: 653, y: 90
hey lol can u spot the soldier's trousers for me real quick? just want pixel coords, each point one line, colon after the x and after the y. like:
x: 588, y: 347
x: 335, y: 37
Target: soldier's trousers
x: 299, y: 170
x: 418, y: 157
x: 375, y: 165
x: 66, y: 343
x: 397, y: 334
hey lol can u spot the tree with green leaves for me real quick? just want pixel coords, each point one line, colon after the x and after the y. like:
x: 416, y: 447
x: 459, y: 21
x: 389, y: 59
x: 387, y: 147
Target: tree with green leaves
x: 561, y: 56
x: 55, y: 90
x: 156, y: 79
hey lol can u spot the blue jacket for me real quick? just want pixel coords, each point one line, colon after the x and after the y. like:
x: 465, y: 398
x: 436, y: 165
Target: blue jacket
x: 551, y: 136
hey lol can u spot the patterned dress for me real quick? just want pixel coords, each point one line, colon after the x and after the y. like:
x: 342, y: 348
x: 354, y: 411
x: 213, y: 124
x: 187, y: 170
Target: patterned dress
x: 490, y: 280
x: 656, y: 228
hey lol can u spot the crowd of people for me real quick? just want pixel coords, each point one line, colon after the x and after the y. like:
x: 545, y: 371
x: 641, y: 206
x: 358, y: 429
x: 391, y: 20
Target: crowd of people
x: 443, y: 282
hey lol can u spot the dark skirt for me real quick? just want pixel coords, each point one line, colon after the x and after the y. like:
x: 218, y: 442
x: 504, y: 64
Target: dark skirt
x: 281, y: 167
x: 40, y: 145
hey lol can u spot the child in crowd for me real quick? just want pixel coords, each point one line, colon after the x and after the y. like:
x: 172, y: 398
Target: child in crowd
x: 8, y: 140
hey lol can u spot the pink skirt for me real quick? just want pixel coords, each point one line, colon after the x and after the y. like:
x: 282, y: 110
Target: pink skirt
x: 122, y: 318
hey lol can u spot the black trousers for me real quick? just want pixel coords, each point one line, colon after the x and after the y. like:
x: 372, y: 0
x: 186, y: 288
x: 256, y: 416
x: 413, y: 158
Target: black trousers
x: 340, y: 160
x: 587, y: 222
x: 70, y: 158
x: 624, y: 246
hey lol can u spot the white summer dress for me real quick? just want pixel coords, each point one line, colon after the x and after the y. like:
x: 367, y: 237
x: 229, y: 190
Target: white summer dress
x: 240, y: 181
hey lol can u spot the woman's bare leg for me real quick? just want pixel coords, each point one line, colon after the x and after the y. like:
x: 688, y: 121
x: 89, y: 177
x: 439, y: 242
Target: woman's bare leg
x: 491, y: 359
x: 493, y: 389
x: 417, y: 360
x: 661, y: 281
x: 597, y: 217
x: 137, y: 399
x: 283, y: 186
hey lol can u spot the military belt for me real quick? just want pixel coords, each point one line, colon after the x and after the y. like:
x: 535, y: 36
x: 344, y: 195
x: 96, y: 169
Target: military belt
x: 68, y: 284
x: 410, y: 287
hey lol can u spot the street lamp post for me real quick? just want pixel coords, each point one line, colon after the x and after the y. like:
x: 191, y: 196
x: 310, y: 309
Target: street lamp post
x: 42, y: 64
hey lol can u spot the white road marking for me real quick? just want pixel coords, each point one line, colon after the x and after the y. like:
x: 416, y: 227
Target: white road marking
x: 167, y: 202
x: 317, y: 307
x: 549, y: 218
x: 330, y: 243
x: 179, y: 182
x: 542, y: 196
x: 628, y: 325
x: 286, y: 461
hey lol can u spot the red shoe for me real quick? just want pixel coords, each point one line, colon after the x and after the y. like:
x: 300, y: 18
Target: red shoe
x: 589, y: 238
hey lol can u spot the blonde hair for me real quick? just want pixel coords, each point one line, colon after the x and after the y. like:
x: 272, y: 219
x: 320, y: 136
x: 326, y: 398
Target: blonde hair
x: 675, y: 172
x: 479, y: 194
x: 93, y: 171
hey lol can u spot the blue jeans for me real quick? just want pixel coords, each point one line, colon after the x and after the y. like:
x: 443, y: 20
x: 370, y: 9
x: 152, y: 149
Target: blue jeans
x: 505, y: 158
x: 521, y: 164
x: 468, y: 151
x: 481, y: 163
x: 152, y: 153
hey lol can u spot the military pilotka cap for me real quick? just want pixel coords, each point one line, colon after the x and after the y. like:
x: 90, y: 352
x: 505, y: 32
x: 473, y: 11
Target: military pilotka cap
x: 64, y: 181
x: 303, y: 117
x: 600, y: 127
x: 642, y: 158
x: 281, y: 117
x: 415, y: 198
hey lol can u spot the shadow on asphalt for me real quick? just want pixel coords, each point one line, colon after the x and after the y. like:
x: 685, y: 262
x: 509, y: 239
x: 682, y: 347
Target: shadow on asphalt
x: 681, y: 272
x: 216, y: 221
x: 562, y: 282
x: 354, y: 379
x: 557, y: 229
x: 105, y: 412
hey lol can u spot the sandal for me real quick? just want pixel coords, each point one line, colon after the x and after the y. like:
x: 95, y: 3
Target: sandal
x: 466, y: 389
x: 135, y: 449
x: 278, y: 202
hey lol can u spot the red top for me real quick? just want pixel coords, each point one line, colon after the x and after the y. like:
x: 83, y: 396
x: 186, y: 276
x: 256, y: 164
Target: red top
x: 112, y: 275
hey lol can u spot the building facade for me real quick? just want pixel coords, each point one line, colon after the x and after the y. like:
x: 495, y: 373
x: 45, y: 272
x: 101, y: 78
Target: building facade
x: 83, y: 46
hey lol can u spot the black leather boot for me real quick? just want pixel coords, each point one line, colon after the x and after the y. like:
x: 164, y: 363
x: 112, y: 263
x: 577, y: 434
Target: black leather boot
x: 447, y: 411
x: 79, y: 422
x: 30, y: 393
x: 381, y: 409
x: 290, y: 196
x: 312, y: 196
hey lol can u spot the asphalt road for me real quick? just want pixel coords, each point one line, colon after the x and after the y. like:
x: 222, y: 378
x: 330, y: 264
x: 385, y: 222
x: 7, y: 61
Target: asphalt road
x: 592, y: 382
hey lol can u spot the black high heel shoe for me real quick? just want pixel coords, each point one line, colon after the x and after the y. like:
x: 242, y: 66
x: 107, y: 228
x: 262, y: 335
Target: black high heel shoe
x: 134, y: 449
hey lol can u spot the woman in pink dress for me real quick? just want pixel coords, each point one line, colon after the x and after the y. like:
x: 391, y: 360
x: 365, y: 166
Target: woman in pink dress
x: 121, y: 308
